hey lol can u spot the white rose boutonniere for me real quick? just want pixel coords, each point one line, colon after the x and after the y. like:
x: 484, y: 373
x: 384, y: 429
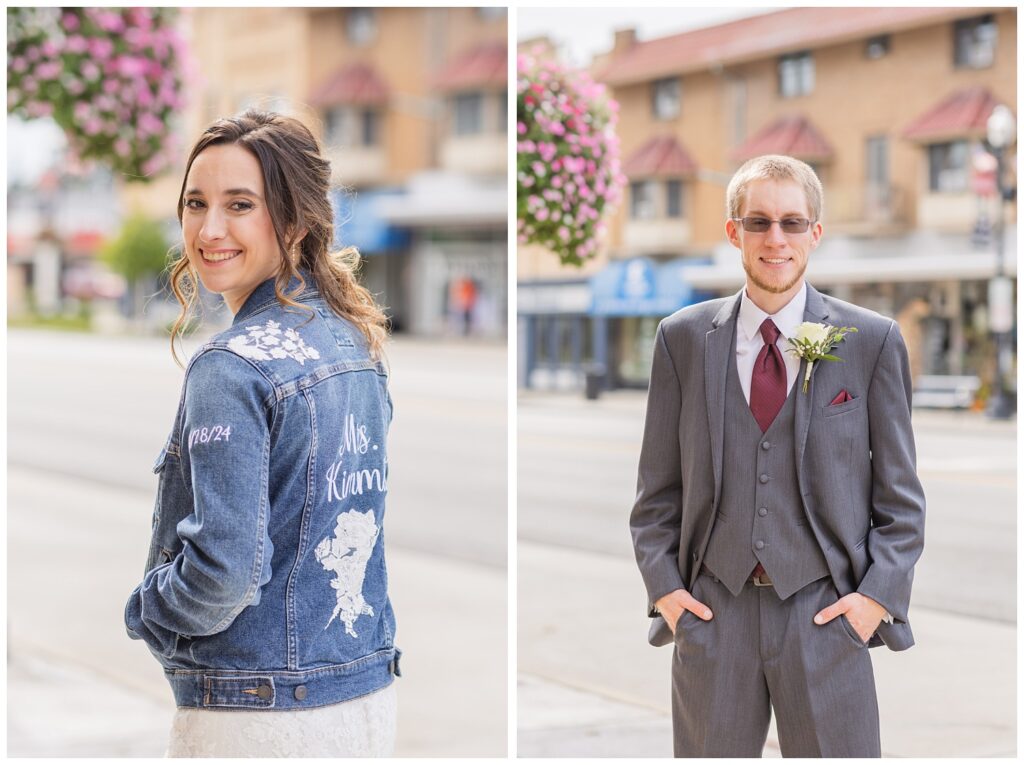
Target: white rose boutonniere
x: 813, y: 343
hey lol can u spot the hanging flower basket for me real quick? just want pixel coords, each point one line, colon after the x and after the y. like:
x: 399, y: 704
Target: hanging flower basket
x: 568, y: 168
x: 111, y: 78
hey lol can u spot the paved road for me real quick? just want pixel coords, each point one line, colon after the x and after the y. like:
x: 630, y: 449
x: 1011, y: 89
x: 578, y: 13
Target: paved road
x: 589, y: 684
x: 86, y: 417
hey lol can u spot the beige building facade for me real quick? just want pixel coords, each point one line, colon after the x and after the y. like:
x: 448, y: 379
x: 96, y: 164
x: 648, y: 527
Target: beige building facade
x: 409, y: 104
x: 888, y: 105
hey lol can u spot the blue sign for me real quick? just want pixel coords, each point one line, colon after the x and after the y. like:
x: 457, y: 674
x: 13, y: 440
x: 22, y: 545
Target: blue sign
x: 641, y: 287
x: 356, y: 222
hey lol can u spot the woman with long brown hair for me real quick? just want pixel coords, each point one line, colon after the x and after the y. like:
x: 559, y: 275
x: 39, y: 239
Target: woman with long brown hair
x: 265, y: 591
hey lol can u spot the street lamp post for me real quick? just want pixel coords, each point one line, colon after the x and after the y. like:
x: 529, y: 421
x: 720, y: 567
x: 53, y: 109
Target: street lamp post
x: 1001, y: 129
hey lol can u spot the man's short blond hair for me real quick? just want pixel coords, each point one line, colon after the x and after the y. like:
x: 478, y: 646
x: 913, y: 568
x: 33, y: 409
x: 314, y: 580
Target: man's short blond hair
x: 774, y: 167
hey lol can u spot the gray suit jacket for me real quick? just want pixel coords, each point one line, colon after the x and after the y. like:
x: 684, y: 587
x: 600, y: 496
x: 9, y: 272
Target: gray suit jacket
x: 855, y: 461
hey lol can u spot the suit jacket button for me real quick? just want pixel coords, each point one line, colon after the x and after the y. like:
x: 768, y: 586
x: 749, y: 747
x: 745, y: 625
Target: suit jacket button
x: 762, y: 511
x: 763, y: 478
x: 265, y: 692
x: 759, y: 545
x: 766, y: 445
x: 300, y: 692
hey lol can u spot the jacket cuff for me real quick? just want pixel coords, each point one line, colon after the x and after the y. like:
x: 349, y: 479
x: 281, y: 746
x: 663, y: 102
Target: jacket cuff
x: 894, y: 606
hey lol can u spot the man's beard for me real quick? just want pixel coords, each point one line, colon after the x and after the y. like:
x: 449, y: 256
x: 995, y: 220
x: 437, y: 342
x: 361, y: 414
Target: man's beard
x: 773, y: 288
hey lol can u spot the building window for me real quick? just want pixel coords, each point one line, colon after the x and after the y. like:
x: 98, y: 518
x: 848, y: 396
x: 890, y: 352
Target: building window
x: 469, y: 113
x: 948, y: 167
x: 347, y: 126
x: 673, y: 199
x: 974, y: 42
x: 877, y: 46
x: 796, y: 74
x: 361, y: 25
x: 641, y: 200
x: 666, y: 98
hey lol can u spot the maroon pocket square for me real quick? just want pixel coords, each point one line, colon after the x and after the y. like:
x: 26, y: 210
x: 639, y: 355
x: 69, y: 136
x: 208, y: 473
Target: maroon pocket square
x: 842, y: 398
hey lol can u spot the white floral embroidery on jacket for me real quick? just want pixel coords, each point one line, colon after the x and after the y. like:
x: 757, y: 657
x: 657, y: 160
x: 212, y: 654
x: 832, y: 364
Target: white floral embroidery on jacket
x: 269, y: 342
x: 346, y: 554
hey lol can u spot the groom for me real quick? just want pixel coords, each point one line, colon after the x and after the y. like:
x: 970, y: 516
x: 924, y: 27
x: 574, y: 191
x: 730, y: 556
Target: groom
x: 778, y: 514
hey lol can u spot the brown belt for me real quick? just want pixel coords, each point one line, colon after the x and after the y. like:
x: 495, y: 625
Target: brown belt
x: 759, y: 577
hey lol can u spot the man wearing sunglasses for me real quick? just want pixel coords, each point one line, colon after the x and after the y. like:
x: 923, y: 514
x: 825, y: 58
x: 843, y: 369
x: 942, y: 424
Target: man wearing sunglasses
x: 776, y: 529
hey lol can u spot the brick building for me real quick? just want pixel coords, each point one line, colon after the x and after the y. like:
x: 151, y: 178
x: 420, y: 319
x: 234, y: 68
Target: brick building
x: 410, y: 106
x: 889, y: 105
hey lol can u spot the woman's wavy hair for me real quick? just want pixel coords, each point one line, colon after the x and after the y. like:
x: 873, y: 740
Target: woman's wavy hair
x: 296, y: 182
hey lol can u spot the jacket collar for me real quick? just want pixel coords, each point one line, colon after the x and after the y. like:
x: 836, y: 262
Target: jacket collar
x: 264, y: 296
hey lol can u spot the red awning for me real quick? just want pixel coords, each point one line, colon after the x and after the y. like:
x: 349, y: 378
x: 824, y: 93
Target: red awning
x: 661, y: 156
x: 485, y: 66
x: 353, y: 84
x: 792, y: 136
x: 964, y: 113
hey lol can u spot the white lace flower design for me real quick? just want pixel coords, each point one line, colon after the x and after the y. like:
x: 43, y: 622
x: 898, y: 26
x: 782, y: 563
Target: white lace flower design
x: 271, y: 342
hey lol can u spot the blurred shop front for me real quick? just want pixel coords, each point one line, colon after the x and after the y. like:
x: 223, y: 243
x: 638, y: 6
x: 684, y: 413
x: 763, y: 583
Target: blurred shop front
x: 605, y: 324
x: 384, y: 248
x: 453, y: 280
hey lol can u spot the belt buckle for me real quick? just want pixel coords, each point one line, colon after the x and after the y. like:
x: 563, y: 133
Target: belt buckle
x: 761, y: 580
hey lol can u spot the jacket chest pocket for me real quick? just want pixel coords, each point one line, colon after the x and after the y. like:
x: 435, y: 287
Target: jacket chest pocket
x: 165, y: 544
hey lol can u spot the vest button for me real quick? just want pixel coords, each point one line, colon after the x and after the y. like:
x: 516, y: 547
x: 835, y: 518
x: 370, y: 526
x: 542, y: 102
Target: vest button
x: 265, y: 692
x: 766, y: 445
x: 301, y: 692
x: 763, y: 478
x: 762, y: 511
x: 758, y: 545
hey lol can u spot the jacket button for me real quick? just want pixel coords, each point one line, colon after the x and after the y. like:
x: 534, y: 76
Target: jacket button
x: 762, y: 511
x: 759, y: 545
x: 300, y: 692
x: 763, y: 478
x: 766, y: 445
x: 265, y: 692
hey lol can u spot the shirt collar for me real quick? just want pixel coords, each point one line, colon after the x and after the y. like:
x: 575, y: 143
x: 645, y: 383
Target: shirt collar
x: 787, y: 319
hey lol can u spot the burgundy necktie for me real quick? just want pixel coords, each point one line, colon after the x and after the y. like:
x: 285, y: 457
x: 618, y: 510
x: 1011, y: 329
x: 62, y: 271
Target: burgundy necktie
x: 768, y: 383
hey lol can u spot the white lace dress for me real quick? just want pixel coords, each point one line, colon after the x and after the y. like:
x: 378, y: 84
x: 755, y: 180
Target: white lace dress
x: 362, y: 727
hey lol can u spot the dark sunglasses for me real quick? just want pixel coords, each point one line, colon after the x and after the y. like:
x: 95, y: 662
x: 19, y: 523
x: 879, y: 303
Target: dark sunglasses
x: 788, y: 225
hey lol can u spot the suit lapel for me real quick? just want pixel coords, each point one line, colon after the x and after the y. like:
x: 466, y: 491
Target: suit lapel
x: 717, y: 343
x: 816, y: 311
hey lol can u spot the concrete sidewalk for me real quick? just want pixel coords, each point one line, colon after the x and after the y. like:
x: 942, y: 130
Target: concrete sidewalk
x: 951, y: 695
x: 452, y: 697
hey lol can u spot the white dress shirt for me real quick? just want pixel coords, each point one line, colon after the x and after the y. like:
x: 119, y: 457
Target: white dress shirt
x: 749, y: 341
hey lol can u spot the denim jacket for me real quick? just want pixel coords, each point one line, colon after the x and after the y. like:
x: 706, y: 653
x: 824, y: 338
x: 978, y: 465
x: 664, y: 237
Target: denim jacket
x: 265, y: 586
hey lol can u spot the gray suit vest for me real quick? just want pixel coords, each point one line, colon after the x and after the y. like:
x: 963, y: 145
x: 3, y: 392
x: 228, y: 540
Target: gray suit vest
x: 760, y: 515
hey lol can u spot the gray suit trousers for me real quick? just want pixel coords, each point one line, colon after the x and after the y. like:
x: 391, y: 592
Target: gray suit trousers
x: 760, y: 653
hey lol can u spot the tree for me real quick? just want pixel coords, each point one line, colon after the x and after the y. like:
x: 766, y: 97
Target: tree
x: 567, y: 159
x: 111, y: 78
x: 139, y: 254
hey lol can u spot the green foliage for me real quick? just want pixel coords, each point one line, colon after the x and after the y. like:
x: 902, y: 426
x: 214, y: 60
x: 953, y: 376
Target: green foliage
x: 139, y: 249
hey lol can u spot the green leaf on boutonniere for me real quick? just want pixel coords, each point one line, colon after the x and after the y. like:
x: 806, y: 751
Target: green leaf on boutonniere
x: 813, y: 342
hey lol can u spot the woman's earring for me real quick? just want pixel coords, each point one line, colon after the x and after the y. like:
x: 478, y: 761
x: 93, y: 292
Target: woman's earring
x: 295, y: 253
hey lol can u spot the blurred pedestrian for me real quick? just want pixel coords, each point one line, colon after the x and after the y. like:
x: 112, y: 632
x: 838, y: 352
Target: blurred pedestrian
x: 265, y: 591
x: 778, y: 514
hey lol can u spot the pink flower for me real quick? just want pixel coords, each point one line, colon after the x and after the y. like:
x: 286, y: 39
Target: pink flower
x: 70, y: 21
x: 100, y: 47
x: 122, y: 147
x: 91, y: 126
x: 90, y: 71
x: 76, y: 44
x: 19, y: 65
x: 521, y: 128
x: 48, y: 70
x: 539, y: 169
